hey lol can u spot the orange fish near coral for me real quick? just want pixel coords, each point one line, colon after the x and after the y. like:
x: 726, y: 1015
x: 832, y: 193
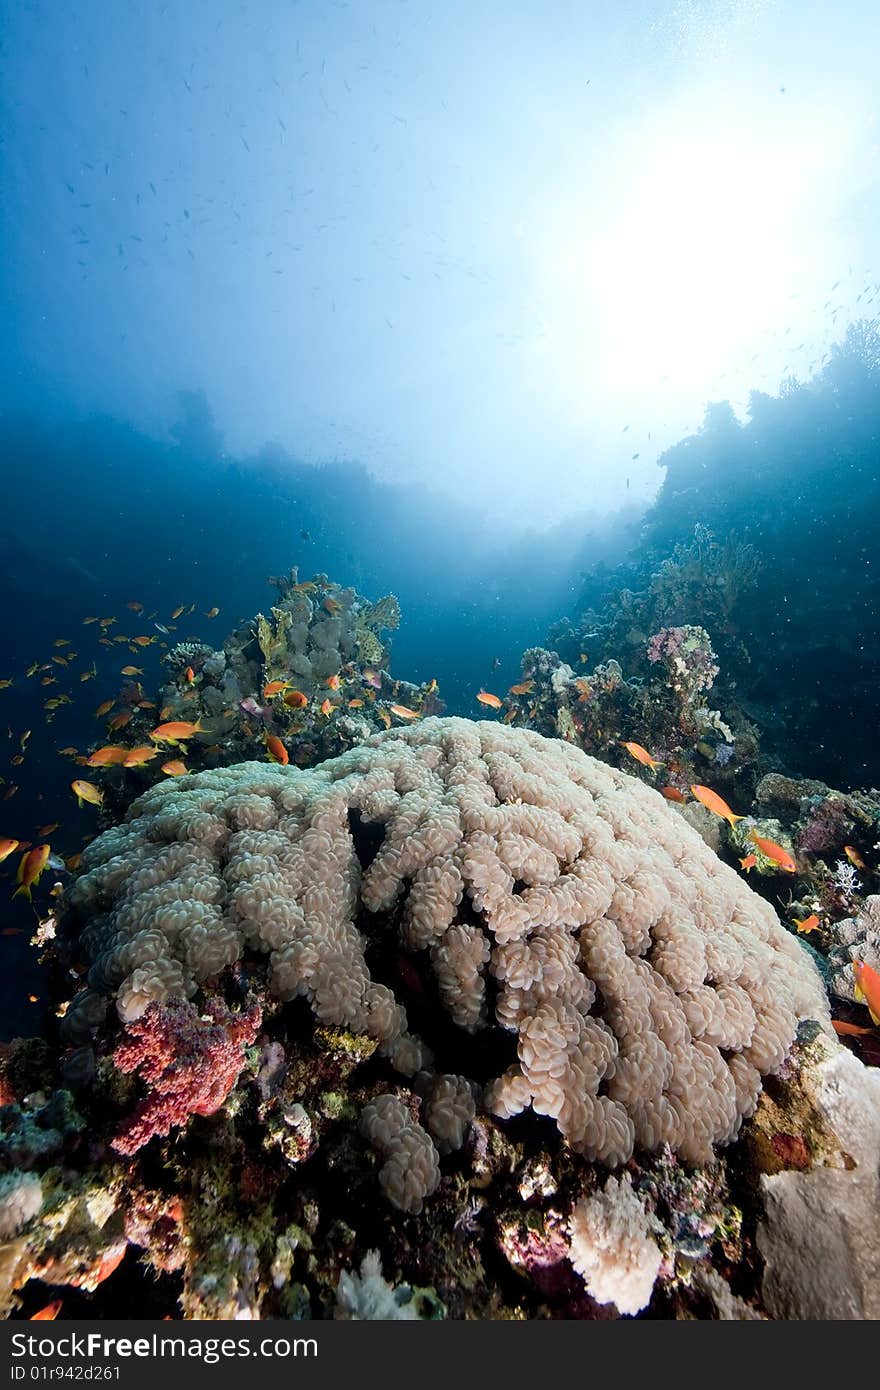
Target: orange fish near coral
x: 333, y: 682
x: 385, y: 717
x: 355, y: 704
x: 175, y: 732
x: 274, y: 688
x: 295, y: 699
x: 524, y: 688
x: 642, y: 755
x: 673, y: 794
x: 175, y: 768
x: 485, y: 697
x: 849, y: 1030
x: 108, y: 755
x: 136, y: 757
x: 403, y: 713
x: 29, y: 870
x: 748, y: 862
x: 854, y: 857
x: 87, y: 792
x: 807, y: 924
x: 119, y: 721
x: 774, y: 852
x: 867, y: 988
x: 189, y: 674
x: 49, y: 1313
x: 104, y: 708
x: 276, y: 750
x: 326, y: 708
x: 332, y: 605
x: 714, y: 803
x: 7, y: 847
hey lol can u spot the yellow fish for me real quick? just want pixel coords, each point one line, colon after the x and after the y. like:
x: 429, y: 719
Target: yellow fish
x: 714, y: 803
x: 87, y: 792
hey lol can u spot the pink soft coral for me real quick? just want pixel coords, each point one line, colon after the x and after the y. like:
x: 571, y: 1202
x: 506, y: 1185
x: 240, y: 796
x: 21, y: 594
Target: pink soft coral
x: 190, y: 1062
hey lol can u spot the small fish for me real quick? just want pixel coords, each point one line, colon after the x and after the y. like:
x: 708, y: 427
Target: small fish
x: 177, y: 612
x: 5, y: 683
x: 355, y: 704
x: 276, y: 750
x: 87, y: 675
x: 849, y: 1030
x: 854, y: 857
x: 332, y: 605
x: 484, y: 697
x: 44, y: 831
x: 177, y: 731
x: 87, y: 792
x: 175, y: 768
x: 372, y: 677
x: 333, y: 682
x: 385, y: 717
x: 107, y: 622
x: 135, y: 606
x: 807, y: 924
x: 61, y: 642
x: 212, y: 612
x: 584, y: 689
x: 403, y: 713
x: 49, y: 1313
x: 72, y: 862
x: 524, y: 688
x: 774, y: 852
x: 86, y: 621
x: 136, y: 757
x: 68, y: 752
x: 59, y: 660
x: 30, y: 868
x: 189, y: 674
x: 496, y: 662
x: 132, y: 671
x: 714, y: 803
x: 143, y: 640
x: 162, y: 628
x: 22, y: 742
x: 295, y: 699
x: 7, y: 847
x: 748, y: 862
x: 867, y: 988
x: 326, y: 708
x: 119, y: 721
x: 642, y: 755
x: 510, y: 716
x: 673, y: 794
x: 104, y: 708
x: 274, y: 688
x: 48, y: 680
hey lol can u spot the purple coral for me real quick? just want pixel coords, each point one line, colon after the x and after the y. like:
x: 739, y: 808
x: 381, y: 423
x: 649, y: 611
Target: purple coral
x: 190, y: 1062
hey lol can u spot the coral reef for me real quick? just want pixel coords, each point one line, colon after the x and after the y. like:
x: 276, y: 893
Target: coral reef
x: 612, y: 1247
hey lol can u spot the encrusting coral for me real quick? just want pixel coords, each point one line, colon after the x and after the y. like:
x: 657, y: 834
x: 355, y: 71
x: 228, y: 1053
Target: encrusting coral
x: 612, y: 1247
x: 645, y: 988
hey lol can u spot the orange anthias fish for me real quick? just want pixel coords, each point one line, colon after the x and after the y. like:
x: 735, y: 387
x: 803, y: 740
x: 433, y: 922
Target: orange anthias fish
x: 854, y: 857
x: 175, y: 768
x: 385, y: 717
x: 119, y: 721
x: 485, y: 697
x: 403, y: 713
x: 175, y: 732
x: 104, y: 708
x: 849, y: 1030
x: 189, y: 675
x: 673, y: 794
x: 807, y: 924
x: 87, y: 792
x: 332, y: 605
x: 135, y: 606
x: 524, y: 688
x: 274, y: 688
x: 641, y: 755
x: 774, y: 852
x: 714, y: 803
x: 132, y: 671
x: 177, y: 612
x: 108, y: 755
x: 49, y: 1313
x: 748, y: 862
x: 868, y: 988
x: 355, y: 704
x: 295, y: 699
x: 276, y: 750
x: 30, y: 868
x: 326, y: 707
x: 136, y: 757
x: 333, y: 682
x: 7, y: 847
x: 143, y: 641
x: 212, y: 612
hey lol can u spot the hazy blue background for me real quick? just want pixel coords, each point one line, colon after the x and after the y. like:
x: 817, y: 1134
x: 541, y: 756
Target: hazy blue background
x: 462, y: 243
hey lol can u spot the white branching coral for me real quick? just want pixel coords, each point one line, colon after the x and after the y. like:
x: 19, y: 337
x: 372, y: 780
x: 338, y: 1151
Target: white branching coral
x: 645, y: 987
x: 612, y: 1247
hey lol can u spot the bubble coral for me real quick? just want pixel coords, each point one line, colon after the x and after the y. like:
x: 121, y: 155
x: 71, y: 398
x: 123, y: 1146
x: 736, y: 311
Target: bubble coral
x: 645, y: 988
